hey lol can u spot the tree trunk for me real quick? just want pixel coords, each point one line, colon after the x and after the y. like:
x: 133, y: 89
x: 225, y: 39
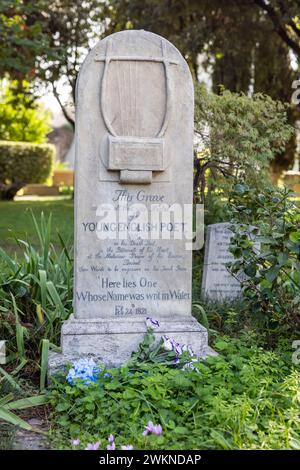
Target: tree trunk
x: 8, y: 191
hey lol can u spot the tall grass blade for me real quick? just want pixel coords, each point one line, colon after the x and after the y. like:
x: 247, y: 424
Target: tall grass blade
x: 10, y: 379
x: 44, y: 363
x: 11, y: 418
x: 204, y: 319
x: 29, y: 402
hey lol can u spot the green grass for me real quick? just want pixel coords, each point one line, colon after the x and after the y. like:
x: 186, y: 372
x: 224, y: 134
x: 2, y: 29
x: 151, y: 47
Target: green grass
x: 246, y: 398
x: 15, y: 221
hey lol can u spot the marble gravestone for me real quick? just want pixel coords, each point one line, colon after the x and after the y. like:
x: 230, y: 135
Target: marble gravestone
x: 217, y: 282
x: 134, y: 153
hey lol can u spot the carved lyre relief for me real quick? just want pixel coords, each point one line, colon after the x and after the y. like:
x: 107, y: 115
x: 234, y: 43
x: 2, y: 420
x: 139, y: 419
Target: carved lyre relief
x: 134, y: 155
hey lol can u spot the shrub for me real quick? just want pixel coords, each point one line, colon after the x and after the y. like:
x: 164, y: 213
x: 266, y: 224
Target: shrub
x: 266, y: 245
x: 22, y: 163
x: 240, y: 136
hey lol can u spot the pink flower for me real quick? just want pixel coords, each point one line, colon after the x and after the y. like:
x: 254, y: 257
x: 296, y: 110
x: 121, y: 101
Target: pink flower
x: 148, y: 428
x: 75, y: 442
x: 152, y: 428
x: 93, y: 446
x: 111, y: 445
x: 157, y: 429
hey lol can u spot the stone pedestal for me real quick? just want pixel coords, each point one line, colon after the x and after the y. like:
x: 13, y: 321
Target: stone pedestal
x: 112, y: 342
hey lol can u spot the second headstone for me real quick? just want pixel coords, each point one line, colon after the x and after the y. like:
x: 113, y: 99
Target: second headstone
x: 217, y: 281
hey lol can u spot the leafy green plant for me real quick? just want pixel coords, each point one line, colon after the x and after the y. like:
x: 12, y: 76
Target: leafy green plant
x: 266, y: 245
x: 245, y: 398
x: 7, y: 404
x: 13, y: 398
x: 35, y: 297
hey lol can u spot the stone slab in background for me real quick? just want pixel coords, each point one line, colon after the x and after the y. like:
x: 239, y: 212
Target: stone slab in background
x: 217, y: 281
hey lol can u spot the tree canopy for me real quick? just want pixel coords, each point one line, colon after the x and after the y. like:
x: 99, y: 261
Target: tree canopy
x: 246, y: 44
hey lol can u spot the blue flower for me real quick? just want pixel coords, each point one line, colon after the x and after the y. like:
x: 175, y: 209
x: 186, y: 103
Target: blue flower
x: 84, y: 369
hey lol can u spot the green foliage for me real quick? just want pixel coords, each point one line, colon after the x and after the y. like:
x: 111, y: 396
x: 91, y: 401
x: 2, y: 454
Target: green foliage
x: 151, y: 352
x: 6, y: 405
x: 244, y: 46
x: 21, y: 118
x: 266, y: 245
x: 22, y: 163
x: 35, y: 297
x: 69, y: 29
x: 232, y: 317
x: 246, y: 398
x: 244, y: 135
x: 22, y: 37
x: 244, y: 53
x: 14, y: 397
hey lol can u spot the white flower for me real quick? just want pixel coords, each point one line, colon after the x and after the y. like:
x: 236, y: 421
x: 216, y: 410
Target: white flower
x: 167, y: 343
x: 187, y: 348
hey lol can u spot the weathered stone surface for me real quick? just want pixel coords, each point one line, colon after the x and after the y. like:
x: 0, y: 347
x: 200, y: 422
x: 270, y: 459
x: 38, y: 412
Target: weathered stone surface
x: 146, y: 108
x: 217, y: 282
x: 29, y: 440
x: 112, y: 341
x: 134, y: 154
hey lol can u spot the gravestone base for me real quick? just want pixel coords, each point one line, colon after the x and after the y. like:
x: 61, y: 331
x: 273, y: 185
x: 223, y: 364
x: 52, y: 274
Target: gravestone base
x: 113, y: 341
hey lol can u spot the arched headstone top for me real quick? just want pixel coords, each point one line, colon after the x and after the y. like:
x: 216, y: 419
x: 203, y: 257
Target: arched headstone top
x: 134, y: 77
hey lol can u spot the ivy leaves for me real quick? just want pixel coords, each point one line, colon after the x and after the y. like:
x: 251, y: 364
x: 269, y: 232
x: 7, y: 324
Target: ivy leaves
x: 266, y: 247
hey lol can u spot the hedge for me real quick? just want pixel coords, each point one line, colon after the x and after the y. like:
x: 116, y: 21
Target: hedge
x: 23, y: 163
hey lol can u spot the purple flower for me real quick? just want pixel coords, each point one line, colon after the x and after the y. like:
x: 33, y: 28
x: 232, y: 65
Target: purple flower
x: 170, y: 344
x: 75, y: 442
x: 157, y: 429
x: 151, y: 322
x: 190, y: 365
x: 148, y: 428
x: 176, y: 361
x: 177, y: 349
x: 111, y: 446
x: 128, y: 447
x: 93, y: 446
x: 151, y: 428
